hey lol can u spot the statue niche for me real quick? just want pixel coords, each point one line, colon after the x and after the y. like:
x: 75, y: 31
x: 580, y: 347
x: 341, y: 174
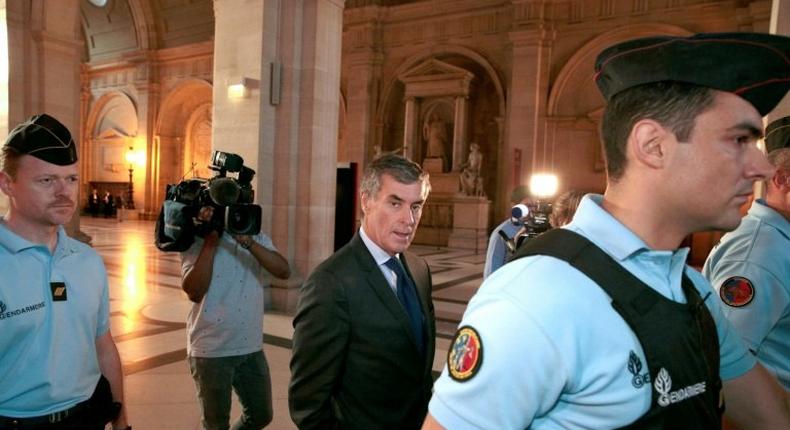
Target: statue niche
x: 436, y: 137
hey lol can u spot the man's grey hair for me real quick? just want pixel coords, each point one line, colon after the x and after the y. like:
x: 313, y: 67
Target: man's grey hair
x: 780, y: 158
x: 400, y: 168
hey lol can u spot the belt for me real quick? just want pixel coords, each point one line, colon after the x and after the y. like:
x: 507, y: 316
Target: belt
x: 44, y: 420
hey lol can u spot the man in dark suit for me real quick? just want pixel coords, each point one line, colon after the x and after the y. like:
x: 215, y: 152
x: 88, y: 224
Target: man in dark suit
x: 364, y: 330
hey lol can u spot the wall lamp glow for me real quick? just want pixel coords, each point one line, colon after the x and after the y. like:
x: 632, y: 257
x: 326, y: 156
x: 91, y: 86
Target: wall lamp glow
x: 239, y: 88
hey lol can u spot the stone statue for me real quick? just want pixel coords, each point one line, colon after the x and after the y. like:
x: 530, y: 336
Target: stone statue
x: 434, y: 131
x: 470, y: 179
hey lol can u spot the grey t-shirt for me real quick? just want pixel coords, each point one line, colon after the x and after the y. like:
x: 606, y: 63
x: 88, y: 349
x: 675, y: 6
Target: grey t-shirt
x: 229, y: 319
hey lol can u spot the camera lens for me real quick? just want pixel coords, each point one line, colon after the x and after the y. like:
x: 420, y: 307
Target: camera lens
x: 243, y: 219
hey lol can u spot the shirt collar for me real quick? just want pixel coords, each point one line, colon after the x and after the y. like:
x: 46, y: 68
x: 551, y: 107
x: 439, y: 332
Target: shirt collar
x: 770, y: 216
x: 16, y: 243
x: 381, y: 256
x: 608, y: 233
x: 605, y: 230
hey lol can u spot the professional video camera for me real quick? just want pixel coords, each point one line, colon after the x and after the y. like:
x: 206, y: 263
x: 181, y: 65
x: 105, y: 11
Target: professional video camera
x: 533, y: 218
x: 231, y: 198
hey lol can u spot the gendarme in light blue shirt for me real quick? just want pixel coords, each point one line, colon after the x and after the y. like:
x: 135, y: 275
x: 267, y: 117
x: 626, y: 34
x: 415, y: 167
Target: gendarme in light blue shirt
x: 759, y: 250
x: 555, y: 352
x: 48, y: 348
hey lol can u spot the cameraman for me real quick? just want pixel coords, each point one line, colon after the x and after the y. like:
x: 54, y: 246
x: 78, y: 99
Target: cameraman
x: 223, y: 277
x: 497, y: 254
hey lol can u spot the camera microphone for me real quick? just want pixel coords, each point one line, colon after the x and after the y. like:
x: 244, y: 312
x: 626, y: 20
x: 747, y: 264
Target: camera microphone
x: 518, y: 212
x: 224, y: 191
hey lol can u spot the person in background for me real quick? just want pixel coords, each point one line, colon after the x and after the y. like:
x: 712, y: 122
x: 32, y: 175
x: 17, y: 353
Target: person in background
x: 223, y: 276
x: 94, y: 202
x: 564, y: 207
x: 750, y: 267
x: 497, y: 253
x: 59, y: 366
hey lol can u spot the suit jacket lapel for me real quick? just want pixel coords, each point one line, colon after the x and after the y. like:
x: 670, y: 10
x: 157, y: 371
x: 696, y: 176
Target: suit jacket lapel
x: 375, y: 280
x: 421, y: 281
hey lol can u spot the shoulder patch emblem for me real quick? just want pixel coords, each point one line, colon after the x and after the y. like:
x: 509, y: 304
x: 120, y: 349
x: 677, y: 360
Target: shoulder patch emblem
x: 737, y: 291
x: 465, y: 355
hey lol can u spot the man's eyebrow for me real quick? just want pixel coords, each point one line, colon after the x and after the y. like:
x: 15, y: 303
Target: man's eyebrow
x: 754, y: 131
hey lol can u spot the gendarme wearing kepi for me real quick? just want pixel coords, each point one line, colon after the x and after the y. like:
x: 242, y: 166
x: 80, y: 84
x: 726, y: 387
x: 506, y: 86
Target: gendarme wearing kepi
x: 777, y: 134
x: 625, y: 338
x: 754, y: 66
x: 45, y: 138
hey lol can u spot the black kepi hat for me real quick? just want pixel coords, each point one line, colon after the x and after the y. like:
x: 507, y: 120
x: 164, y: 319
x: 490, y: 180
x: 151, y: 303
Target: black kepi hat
x: 45, y: 138
x: 777, y: 134
x: 754, y: 66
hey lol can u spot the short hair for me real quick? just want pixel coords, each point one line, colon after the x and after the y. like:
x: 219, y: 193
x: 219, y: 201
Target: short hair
x: 780, y: 158
x: 675, y: 105
x: 9, y: 160
x: 400, y: 168
x: 564, y: 207
x: 518, y: 194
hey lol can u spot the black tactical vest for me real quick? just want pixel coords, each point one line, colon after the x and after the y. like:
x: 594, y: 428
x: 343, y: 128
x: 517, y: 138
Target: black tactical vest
x: 680, y: 341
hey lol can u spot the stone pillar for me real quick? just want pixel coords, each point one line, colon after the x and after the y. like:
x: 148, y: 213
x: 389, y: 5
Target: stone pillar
x: 292, y: 145
x: 529, y: 84
x: 148, y: 199
x: 780, y: 24
x: 361, y: 100
x: 410, y: 129
x: 44, y: 54
x: 460, y: 144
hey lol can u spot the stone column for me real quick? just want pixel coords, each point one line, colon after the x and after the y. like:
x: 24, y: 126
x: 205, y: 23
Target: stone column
x: 780, y: 24
x: 44, y: 54
x: 460, y: 144
x: 361, y: 100
x: 410, y: 129
x: 529, y: 85
x: 148, y: 199
x: 292, y: 145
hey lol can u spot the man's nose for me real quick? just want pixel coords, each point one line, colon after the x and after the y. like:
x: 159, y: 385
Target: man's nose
x: 408, y: 216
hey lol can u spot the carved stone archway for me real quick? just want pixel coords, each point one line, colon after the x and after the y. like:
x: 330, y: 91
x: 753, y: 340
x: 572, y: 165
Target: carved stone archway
x: 181, y: 109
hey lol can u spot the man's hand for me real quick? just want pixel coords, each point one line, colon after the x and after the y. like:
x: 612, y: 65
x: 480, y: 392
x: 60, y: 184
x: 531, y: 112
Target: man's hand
x: 205, y: 214
x: 244, y: 240
x: 272, y: 261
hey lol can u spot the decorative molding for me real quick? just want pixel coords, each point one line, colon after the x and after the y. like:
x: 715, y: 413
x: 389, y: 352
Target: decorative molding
x: 436, y: 78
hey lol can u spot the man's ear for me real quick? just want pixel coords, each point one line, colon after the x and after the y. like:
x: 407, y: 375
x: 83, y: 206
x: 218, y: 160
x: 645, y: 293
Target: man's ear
x: 781, y: 179
x: 5, y: 183
x: 365, y: 201
x: 647, y: 142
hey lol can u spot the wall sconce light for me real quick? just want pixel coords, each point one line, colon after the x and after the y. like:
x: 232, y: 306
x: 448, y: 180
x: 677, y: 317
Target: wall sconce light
x: 239, y: 88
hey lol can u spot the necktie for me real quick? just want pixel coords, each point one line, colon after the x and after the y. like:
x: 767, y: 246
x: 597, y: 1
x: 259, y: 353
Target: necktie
x: 407, y: 294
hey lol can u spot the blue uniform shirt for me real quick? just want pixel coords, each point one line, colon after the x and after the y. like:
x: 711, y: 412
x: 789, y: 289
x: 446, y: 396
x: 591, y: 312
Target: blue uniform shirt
x: 48, y: 348
x: 555, y: 354
x: 497, y: 253
x: 758, y: 251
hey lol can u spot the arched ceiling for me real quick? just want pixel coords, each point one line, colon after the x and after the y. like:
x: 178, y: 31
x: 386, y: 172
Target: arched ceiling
x: 121, y: 26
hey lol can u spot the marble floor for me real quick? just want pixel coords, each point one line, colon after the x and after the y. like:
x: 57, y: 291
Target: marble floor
x: 148, y: 312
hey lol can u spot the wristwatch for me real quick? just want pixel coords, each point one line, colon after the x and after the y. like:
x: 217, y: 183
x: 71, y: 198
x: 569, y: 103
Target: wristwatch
x: 247, y: 244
